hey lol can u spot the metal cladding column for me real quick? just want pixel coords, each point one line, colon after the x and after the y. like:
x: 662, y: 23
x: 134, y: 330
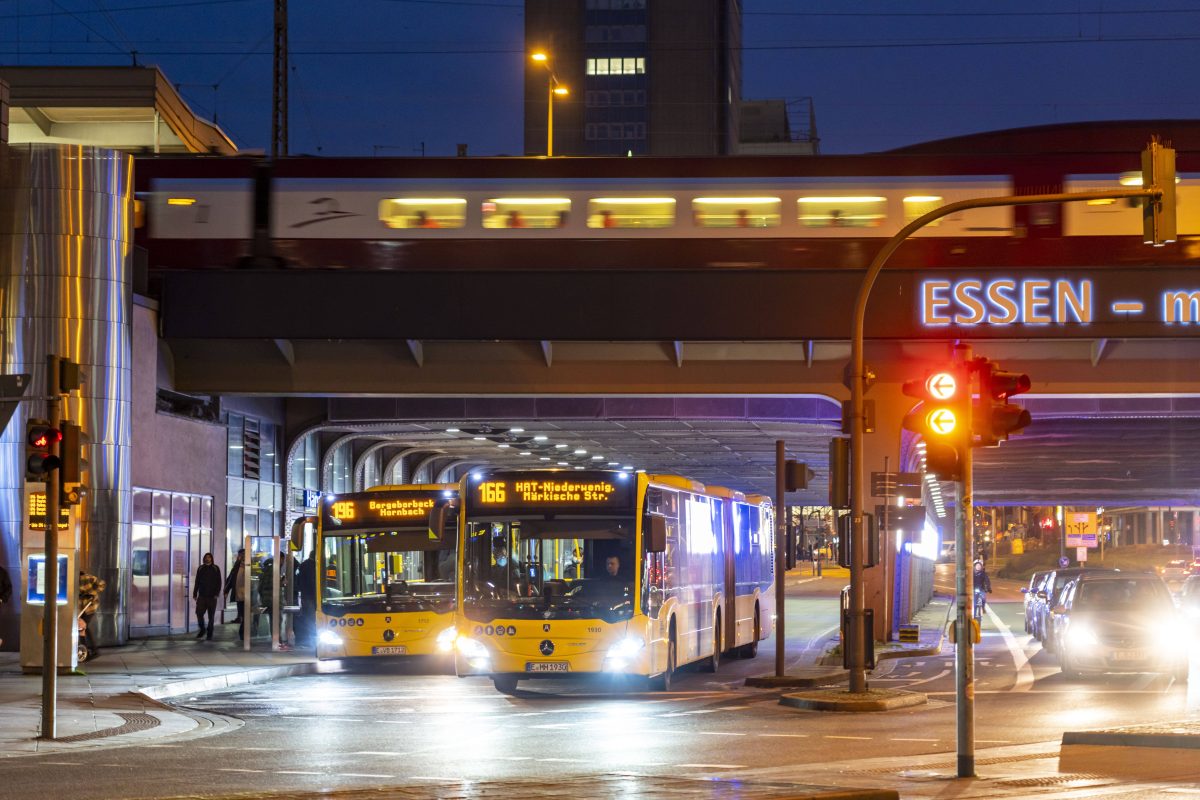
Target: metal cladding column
x: 66, y: 237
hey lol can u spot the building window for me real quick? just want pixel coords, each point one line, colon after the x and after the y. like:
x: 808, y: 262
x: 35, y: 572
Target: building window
x: 254, y: 491
x: 616, y: 66
x: 170, y: 535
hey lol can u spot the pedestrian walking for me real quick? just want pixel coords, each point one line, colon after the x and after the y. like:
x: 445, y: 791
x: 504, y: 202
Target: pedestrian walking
x: 90, y: 589
x: 205, y: 591
x: 5, y: 592
x: 306, y: 583
x: 235, y: 587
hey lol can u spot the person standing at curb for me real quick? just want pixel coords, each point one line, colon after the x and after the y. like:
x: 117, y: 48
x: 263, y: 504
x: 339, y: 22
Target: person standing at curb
x: 90, y: 589
x: 5, y: 591
x: 206, y: 589
x: 306, y: 582
x: 235, y: 586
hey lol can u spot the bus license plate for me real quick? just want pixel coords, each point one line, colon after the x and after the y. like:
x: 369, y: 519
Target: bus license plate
x: 392, y: 650
x: 1129, y: 655
x: 547, y: 666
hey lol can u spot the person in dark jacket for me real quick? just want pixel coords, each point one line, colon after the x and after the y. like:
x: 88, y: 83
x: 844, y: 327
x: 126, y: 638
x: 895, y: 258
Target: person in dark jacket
x: 306, y: 583
x: 205, y: 591
x: 236, y: 588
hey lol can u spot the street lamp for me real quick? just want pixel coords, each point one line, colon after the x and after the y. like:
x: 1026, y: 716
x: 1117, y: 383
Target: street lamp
x: 553, y: 88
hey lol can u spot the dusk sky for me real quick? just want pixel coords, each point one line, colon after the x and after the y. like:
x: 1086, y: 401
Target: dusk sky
x: 383, y: 76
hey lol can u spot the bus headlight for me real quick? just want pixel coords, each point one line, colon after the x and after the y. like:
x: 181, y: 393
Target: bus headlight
x: 474, y: 652
x: 445, y: 639
x: 622, y: 653
x: 329, y: 639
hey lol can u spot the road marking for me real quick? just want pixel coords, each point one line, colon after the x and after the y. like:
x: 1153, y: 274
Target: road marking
x: 713, y: 766
x: 296, y: 772
x: 918, y: 663
x: 786, y: 735
x: 362, y: 775
x: 719, y: 733
x: 898, y: 739
x: 235, y: 769
x: 435, y: 778
x: 858, y: 738
x: 941, y: 674
x: 1020, y: 660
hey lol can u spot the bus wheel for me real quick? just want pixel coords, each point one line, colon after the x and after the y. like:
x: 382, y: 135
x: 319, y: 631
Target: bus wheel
x: 713, y: 662
x: 751, y: 650
x: 662, y: 683
x: 505, y: 684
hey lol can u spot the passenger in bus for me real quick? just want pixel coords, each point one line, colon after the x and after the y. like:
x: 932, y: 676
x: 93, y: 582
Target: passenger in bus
x: 425, y: 221
x: 609, y: 221
x: 743, y: 218
x: 515, y: 220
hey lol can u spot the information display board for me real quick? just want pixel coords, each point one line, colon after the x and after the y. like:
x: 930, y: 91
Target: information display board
x: 36, y: 594
x: 582, y: 492
x: 379, y: 511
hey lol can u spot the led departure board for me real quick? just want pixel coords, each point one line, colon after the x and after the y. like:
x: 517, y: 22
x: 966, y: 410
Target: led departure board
x: 587, y: 492
x: 36, y: 502
x: 379, y: 511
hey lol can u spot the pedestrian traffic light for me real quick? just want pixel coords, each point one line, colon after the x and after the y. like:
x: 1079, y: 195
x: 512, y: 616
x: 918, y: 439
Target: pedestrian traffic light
x: 870, y: 534
x: 942, y: 418
x: 995, y: 418
x: 1158, y: 215
x: 71, y: 456
x: 39, y: 439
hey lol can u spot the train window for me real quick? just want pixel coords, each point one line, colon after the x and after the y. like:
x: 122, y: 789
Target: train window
x: 842, y: 212
x: 918, y: 205
x: 526, y: 212
x: 736, y: 212
x: 423, y: 212
x: 631, y: 212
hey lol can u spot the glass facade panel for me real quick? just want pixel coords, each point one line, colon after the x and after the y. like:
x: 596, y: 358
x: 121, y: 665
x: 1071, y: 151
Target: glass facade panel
x: 160, y: 575
x: 170, y: 530
x: 139, y: 575
x: 181, y: 510
x: 161, y: 509
x: 236, y: 431
x: 141, y: 505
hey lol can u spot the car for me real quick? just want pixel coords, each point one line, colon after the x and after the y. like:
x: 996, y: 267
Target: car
x: 1120, y: 622
x: 1053, y: 583
x: 1189, y: 600
x: 1175, y: 570
x: 1031, y: 598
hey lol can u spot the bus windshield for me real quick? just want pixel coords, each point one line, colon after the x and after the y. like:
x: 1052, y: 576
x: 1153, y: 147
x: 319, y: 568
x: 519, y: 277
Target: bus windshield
x: 538, y: 568
x: 382, y: 572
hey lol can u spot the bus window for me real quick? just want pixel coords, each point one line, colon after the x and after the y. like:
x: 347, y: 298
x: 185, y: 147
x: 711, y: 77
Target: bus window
x: 920, y: 204
x: 842, y: 212
x: 423, y: 212
x: 736, y: 212
x: 526, y: 212
x: 631, y: 212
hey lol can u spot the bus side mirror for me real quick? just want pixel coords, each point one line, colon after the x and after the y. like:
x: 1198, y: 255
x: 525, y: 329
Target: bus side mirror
x: 655, y: 534
x: 440, y: 515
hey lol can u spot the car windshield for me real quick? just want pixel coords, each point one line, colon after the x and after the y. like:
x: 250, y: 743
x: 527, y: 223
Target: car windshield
x: 1132, y: 594
x: 381, y: 571
x: 549, y: 569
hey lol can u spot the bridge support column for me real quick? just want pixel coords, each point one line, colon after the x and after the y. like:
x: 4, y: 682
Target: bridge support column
x: 890, y: 407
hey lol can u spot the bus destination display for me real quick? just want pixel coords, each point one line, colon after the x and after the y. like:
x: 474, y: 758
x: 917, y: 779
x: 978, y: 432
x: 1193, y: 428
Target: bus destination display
x: 378, y: 510
x: 603, y: 492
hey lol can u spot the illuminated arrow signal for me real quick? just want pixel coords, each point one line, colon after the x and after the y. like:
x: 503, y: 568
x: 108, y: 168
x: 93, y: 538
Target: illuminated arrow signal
x: 941, y: 421
x: 941, y: 386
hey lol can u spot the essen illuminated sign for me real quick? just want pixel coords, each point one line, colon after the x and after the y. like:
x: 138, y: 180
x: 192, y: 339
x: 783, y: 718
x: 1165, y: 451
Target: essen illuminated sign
x: 1005, y: 301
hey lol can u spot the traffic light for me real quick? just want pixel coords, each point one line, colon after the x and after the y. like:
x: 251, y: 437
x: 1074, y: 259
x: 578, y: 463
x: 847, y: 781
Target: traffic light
x: 71, y: 456
x: 995, y: 418
x: 796, y: 475
x: 943, y: 418
x: 39, y: 438
x: 871, y: 534
x: 839, y: 472
x: 1158, y: 216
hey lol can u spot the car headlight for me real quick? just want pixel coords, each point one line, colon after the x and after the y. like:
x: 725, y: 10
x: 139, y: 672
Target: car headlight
x: 620, y: 654
x: 328, y: 638
x: 1171, y: 637
x: 1081, y: 636
x: 445, y: 639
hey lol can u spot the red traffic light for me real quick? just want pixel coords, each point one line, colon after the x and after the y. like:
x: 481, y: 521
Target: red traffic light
x: 43, y: 436
x: 1003, y: 385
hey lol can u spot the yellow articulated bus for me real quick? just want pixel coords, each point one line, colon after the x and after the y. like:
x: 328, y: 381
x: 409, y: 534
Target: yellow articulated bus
x: 602, y: 572
x: 386, y: 583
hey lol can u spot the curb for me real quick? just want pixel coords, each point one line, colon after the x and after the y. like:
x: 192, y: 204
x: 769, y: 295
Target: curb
x: 797, y: 682
x: 228, y: 680
x: 832, y: 702
x: 1174, y: 741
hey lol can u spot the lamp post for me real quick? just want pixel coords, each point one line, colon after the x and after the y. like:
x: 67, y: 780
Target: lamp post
x: 553, y: 88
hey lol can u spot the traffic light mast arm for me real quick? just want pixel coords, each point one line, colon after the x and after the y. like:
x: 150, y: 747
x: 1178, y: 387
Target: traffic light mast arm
x: 856, y: 642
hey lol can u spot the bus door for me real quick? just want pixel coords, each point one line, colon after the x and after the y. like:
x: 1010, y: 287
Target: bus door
x: 726, y: 534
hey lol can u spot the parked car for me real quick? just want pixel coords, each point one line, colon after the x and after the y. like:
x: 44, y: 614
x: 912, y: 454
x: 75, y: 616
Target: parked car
x: 1053, y: 583
x: 1120, y: 622
x: 1035, y: 584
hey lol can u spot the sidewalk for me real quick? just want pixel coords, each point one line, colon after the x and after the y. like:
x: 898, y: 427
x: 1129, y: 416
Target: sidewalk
x: 115, y: 695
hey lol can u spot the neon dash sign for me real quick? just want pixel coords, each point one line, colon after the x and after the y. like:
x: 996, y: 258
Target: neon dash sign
x: 1005, y: 301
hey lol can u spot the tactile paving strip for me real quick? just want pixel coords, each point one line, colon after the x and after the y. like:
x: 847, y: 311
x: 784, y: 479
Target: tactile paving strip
x: 134, y: 721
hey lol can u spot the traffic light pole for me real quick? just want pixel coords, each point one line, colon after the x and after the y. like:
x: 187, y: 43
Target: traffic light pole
x: 50, y: 586
x: 856, y: 642
x: 964, y: 651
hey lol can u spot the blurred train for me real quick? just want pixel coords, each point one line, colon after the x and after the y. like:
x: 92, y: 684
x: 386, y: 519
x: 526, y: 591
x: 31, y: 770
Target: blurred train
x: 643, y: 213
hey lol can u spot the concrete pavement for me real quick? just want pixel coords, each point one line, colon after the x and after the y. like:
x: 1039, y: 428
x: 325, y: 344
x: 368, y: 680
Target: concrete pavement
x: 113, y: 699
